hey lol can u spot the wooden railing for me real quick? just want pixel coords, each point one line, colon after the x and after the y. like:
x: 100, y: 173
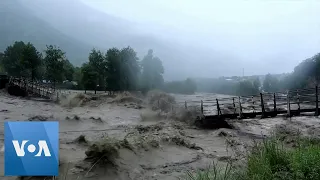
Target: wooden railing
x: 36, y: 88
x: 291, y: 102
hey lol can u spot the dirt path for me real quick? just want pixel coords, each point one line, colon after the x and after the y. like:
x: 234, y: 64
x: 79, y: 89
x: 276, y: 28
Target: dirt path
x: 161, y: 148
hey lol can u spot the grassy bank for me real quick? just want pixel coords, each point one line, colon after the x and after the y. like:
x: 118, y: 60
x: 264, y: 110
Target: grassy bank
x: 278, y: 157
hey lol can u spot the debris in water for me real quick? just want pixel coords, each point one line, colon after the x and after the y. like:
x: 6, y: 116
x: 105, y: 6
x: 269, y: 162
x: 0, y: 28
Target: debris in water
x: 105, y: 151
x: 98, y: 119
x: 224, y: 133
x: 40, y: 118
x: 143, y: 129
x: 126, y: 98
x: 75, y: 100
x: 81, y: 140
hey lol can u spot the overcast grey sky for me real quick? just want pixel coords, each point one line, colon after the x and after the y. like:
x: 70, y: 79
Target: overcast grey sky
x: 260, y: 31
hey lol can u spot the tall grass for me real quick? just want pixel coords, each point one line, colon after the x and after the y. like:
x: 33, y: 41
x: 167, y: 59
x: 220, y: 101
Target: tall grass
x: 271, y: 160
x: 214, y: 172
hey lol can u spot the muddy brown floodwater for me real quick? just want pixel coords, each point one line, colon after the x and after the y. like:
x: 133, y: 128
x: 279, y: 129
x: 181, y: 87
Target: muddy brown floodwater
x: 162, y: 148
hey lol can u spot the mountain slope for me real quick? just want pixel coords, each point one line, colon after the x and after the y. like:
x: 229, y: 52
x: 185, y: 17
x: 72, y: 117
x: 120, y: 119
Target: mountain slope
x: 18, y: 23
x: 77, y: 28
x: 77, y: 20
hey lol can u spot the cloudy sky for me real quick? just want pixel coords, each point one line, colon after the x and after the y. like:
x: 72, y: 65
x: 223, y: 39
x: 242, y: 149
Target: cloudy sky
x: 274, y: 34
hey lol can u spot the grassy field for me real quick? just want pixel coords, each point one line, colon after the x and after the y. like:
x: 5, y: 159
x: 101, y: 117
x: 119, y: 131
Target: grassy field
x: 281, y: 157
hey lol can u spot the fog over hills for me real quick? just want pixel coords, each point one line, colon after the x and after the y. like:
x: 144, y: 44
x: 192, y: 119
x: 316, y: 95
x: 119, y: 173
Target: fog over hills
x: 19, y: 23
x: 77, y: 27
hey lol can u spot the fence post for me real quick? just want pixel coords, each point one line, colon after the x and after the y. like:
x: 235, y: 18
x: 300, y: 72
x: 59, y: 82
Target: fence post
x: 298, y: 102
x: 240, y: 109
x: 32, y: 86
x: 234, y: 106
x: 201, y: 107
x: 253, y: 104
x: 25, y: 85
x: 218, y: 108
x: 288, y: 104
x: 317, y: 105
x: 185, y: 104
x: 262, y: 106
x: 274, y: 103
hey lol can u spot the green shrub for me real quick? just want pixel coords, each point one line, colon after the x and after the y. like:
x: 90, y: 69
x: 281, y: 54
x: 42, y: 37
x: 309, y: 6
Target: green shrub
x: 271, y: 160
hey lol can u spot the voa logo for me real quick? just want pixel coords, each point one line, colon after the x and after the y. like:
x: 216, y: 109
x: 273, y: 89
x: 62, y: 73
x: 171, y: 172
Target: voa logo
x: 31, y: 148
x: 42, y: 147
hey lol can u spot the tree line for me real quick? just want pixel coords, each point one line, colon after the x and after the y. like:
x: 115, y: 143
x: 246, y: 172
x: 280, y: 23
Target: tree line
x: 113, y: 70
x: 305, y: 75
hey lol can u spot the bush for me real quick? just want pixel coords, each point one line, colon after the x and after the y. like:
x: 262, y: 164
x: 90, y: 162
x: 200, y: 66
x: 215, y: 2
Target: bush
x: 268, y: 160
x: 213, y: 173
x: 272, y: 160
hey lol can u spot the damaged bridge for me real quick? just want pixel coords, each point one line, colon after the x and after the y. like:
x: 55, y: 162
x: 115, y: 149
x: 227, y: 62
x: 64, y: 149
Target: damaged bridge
x: 263, y: 105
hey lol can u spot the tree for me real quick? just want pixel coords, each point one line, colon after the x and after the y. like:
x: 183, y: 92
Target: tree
x: 270, y: 83
x: 1, y: 59
x: 89, y: 76
x: 190, y: 86
x: 77, y: 75
x: 54, y: 62
x: 187, y: 86
x: 12, y: 58
x: 256, y: 85
x: 97, y: 62
x: 130, y: 69
x: 152, y: 71
x: 113, y: 67
x: 305, y: 74
x: 246, y: 87
x: 68, y: 70
x: 316, y: 74
x: 30, y: 61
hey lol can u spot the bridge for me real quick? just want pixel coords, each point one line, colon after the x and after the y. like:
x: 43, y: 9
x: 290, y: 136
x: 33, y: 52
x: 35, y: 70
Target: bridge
x: 263, y: 105
x: 289, y: 103
x: 26, y: 87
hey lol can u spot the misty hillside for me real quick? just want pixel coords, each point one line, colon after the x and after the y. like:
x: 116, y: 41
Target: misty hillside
x: 18, y: 23
x: 77, y: 28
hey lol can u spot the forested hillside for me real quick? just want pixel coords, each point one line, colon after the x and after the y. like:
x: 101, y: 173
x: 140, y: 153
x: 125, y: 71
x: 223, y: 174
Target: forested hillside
x: 18, y: 23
